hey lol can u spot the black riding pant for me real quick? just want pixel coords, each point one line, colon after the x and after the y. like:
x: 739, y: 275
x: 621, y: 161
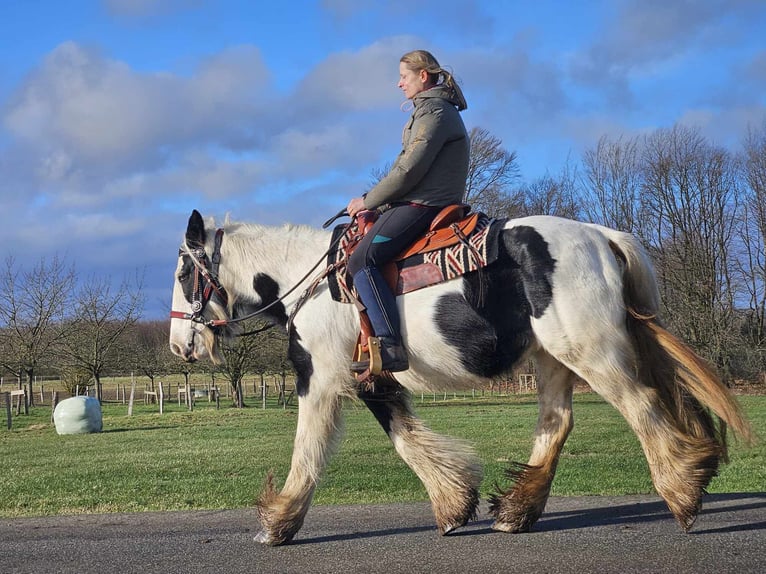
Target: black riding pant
x: 394, y: 230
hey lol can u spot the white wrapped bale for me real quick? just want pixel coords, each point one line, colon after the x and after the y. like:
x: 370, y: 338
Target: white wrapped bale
x: 78, y: 415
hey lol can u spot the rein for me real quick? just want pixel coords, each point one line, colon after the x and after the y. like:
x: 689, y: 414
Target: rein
x: 201, y: 295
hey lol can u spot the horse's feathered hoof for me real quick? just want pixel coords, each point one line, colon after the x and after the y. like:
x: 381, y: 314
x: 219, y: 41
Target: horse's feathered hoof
x: 449, y: 529
x: 513, y: 528
x: 263, y: 537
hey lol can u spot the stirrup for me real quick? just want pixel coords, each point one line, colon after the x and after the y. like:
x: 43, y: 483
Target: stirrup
x: 391, y: 357
x: 375, y: 362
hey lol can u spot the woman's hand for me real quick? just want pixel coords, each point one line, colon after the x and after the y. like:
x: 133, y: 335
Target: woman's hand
x: 355, y: 206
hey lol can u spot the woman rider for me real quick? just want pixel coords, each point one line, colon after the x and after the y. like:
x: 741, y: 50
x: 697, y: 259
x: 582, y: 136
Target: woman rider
x: 429, y: 173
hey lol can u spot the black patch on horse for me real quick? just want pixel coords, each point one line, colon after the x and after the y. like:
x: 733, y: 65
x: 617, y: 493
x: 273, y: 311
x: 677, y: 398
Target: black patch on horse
x: 528, y: 248
x: 186, y: 277
x: 387, y: 401
x: 490, y: 322
x: 268, y: 290
x: 301, y: 360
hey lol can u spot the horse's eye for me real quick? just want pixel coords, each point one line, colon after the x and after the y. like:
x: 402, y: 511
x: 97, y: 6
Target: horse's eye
x: 183, y: 276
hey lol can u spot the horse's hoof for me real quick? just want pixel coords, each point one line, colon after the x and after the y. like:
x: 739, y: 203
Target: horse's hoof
x: 513, y: 528
x: 264, y: 537
x: 450, y: 528
x: 687, y: 522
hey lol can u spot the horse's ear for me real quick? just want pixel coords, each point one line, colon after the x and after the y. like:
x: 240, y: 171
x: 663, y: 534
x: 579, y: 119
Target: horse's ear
x: 195, y: 232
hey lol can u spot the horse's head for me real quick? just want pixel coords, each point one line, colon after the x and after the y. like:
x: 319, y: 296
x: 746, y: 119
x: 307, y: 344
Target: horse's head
x: 200, y: 303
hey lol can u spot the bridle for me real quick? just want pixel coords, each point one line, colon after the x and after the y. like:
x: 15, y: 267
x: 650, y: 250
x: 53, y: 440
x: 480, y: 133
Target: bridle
x: 206, y: 282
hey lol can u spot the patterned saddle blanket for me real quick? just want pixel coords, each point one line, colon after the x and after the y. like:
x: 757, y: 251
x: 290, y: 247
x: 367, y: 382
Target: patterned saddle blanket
x: 423, y: 268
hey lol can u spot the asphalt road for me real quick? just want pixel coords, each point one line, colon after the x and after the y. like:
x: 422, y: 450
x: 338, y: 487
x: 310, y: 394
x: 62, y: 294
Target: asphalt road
x: 576, y: 534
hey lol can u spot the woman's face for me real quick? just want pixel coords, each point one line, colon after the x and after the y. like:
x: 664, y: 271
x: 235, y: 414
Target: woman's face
x: 411, y: 82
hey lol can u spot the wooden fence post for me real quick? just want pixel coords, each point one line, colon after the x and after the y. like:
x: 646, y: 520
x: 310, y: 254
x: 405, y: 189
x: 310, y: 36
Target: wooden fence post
x: 22, y: 396
x: 161, y: 396
x: 8, y: 409
x: 132, y: 394
x: 263, y: 395
x: 54, y: 402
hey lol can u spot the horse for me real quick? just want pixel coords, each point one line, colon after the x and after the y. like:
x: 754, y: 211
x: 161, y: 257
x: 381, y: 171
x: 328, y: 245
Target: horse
x: 579, y: 299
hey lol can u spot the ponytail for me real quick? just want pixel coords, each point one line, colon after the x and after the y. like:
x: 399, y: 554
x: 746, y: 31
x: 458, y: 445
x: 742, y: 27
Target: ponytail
x: 454, y: 87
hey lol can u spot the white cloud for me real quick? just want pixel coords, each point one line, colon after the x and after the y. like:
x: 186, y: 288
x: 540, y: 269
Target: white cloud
x: 99, y: 131
x: 361, y: 80
x: 642, y: 37
x: 106, y: 117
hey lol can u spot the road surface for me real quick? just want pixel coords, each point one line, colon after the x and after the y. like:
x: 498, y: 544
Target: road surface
x: 576, y: 534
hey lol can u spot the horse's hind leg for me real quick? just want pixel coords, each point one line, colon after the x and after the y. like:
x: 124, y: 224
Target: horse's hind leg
x: 677, y: 436
x: 449, y: 469
x: 282, y: 513
x: 518, y: 508
x: 683, y: 455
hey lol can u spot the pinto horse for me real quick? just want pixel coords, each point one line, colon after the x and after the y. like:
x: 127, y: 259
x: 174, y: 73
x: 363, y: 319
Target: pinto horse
x: 579, y: 299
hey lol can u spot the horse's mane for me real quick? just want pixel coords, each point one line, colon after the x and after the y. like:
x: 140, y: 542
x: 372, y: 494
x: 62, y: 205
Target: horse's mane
x: 236, y: 226
x: 260, y: 242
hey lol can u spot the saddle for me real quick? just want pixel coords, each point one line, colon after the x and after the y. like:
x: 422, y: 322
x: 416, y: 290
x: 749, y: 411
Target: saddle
x: 445, y: 229
x: 451, y: 226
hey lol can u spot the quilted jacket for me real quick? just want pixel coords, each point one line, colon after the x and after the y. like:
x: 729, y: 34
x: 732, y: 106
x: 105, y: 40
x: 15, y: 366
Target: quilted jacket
x: 432, y: 167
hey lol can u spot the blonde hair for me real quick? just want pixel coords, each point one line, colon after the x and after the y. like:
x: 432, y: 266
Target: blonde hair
x: 418, y: 60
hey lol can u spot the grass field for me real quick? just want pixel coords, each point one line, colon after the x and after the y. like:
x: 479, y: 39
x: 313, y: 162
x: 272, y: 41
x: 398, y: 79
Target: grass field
x: 212, y: 458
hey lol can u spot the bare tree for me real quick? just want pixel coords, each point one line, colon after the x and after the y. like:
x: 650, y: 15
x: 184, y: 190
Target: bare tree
x: 241, y: 356
x: 492, y: 170
x: 101, y: 318
x: 690, y: 192
x: 550, y: 195
x: 753, y: 240
x: 613, y: 184
x: 32, y: 305
x: 378, y: 173
x: 147, y: 344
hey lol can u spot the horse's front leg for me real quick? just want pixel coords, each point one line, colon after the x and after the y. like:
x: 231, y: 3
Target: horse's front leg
x: 448, y: 468
x: 319, y: 418
x: 518, y: 508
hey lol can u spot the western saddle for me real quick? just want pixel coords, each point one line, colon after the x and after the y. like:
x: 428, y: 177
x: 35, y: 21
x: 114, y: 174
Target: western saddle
x: 452, y: 225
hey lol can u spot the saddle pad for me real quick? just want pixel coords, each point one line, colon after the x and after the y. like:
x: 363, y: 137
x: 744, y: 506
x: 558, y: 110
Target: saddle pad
x: 423, y: 269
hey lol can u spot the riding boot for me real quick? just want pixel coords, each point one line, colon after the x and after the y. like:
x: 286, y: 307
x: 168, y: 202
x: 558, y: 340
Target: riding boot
x: 383, y: 313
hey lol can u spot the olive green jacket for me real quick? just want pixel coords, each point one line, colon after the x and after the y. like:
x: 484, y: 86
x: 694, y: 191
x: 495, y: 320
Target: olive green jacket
x: 432, y: 167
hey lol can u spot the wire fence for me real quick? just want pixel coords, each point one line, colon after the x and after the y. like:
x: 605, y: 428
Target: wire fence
x: 205, y: 391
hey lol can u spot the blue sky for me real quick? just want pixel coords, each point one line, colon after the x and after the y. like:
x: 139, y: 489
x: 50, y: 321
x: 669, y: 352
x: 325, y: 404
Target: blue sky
x: 117, y: 117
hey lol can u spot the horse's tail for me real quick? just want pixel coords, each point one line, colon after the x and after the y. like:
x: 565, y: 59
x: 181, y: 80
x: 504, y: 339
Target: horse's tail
x: 686, y: 383
x: 639, y: 281
x: 697, y: 378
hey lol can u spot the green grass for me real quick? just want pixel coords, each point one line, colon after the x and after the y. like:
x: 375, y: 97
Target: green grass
x: 218, y: 459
